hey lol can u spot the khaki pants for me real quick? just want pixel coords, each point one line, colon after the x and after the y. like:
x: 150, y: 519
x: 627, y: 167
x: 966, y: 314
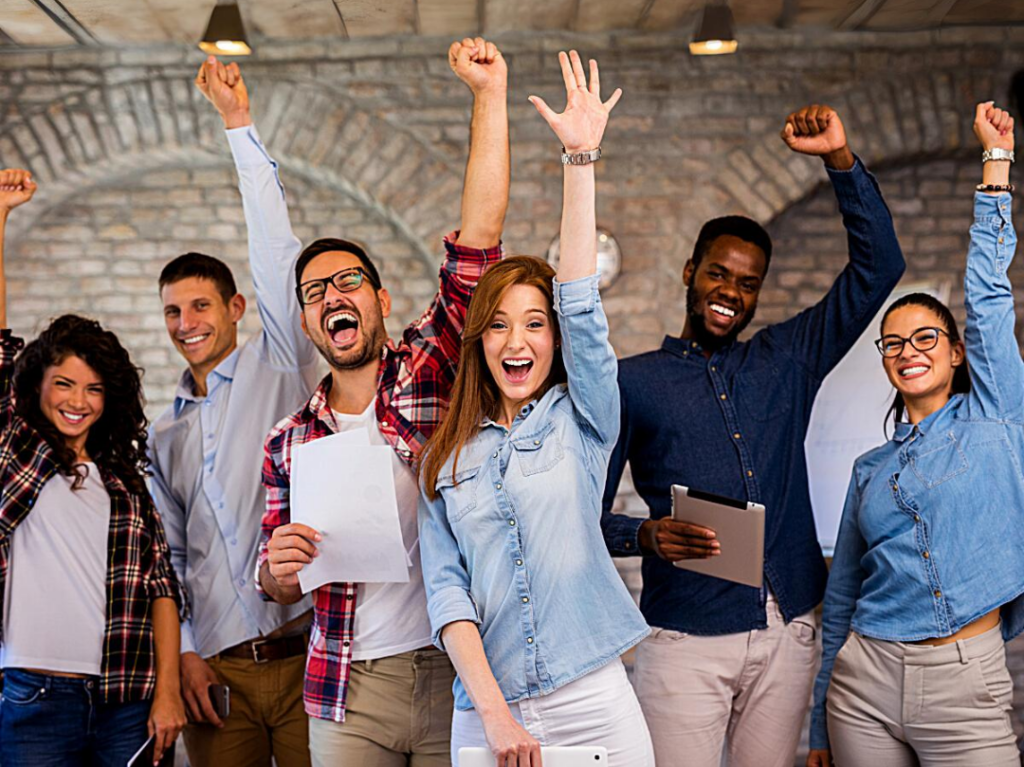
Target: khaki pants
x: 398, y: 713
x: 892, y: 704
x: 267, y: 718
x: 752, y: 689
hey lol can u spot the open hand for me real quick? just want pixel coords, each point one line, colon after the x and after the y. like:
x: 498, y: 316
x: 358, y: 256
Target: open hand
x: 479, y: 64
x: 224, y: 87
x: 817, y: 130
x: 993, y: 126
x: 291, y: 548
x: 16, y: 188
x: 581, y: 126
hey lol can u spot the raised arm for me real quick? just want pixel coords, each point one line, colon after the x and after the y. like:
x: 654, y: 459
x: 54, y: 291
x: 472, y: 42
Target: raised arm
x: 589, y: 359
x: 997, y: 372
x: 480, y: 65
x: 819, y: 337
x: 16, y: 188
x: 273, y: 246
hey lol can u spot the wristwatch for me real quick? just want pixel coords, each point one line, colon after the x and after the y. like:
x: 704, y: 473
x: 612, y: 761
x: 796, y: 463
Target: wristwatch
x: 580, y: 158
x: 997, y: 154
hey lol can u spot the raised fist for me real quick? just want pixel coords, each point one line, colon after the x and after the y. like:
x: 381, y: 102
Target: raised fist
x: 814, y: 130
x: 16, y: 188
x: 224, y: 88
x: 479, y: 64
x: 993, y: 126
x: 581, y: 126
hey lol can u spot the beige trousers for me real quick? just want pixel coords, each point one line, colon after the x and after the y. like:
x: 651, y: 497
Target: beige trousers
x: 398, y: 714
x: 267, y: 717
x: 751, y: 690
x: 892, y: 704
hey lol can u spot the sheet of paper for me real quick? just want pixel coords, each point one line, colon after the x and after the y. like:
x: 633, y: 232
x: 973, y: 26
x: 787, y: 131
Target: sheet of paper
x: 344, y: 487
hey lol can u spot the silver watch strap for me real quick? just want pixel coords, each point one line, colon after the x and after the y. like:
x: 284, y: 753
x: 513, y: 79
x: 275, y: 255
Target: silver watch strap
x: 997, y: 153
x: 580, y: 158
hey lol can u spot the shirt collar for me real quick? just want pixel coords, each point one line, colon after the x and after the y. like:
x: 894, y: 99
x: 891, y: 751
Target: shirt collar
x: 688, y: 347
x: 524, y: 412
x: 905, y: 429
x: 225, y: 371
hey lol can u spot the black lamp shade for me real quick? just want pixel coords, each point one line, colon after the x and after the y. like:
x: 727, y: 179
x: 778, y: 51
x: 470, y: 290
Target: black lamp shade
x: 714, y: 33
x: 225, y: 34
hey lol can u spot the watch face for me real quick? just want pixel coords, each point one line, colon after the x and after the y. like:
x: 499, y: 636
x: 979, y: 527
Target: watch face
x: 609, y: 257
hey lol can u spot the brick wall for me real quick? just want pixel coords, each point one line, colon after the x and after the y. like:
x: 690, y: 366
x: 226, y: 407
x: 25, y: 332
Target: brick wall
x: 371, y: 137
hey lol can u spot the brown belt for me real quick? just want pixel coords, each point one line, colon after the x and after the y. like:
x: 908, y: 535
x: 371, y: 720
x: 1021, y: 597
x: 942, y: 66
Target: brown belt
x: 266, y: 650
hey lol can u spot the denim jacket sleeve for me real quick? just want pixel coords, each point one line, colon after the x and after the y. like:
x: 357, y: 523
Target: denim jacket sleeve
x: 590, y: 362
x: 445, y: 577
x: 844, y: 584
x: 621, y: 531
x: 273, y: 250
x: 819, y: 337
x: 997, y: 372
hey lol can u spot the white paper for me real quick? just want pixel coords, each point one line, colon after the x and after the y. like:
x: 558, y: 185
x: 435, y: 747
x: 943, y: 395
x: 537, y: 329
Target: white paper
x: 344, y: 488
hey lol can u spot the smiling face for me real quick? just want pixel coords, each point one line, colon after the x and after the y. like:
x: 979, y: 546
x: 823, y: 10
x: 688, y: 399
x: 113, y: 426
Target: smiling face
x: 924, y: 378
x: 71, y: 397
x: 202, y: 325
x: 347, y: 328
x: 722, y: 290
x: 519, y: 345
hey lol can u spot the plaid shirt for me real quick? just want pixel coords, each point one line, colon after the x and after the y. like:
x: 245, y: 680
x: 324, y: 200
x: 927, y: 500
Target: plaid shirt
x: 416, y: 377
x: 139, y: 568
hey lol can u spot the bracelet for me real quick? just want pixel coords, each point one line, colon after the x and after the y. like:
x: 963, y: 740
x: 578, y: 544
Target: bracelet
x: 580, y: 158
x: 994, y: 187
x: 997, y: 154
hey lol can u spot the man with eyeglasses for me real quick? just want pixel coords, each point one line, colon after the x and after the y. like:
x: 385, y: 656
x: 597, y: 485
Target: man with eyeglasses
x: 377, y: 692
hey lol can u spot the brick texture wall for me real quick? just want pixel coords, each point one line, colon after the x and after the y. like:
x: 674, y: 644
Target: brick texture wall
x: 372, y: 140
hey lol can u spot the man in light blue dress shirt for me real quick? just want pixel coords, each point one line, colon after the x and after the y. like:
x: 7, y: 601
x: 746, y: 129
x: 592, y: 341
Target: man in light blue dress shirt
x: 207, y: 451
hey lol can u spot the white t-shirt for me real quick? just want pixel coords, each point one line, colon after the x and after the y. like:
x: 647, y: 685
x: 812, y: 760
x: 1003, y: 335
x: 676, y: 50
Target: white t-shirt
x: 55, y: 598
x: 391, y: 618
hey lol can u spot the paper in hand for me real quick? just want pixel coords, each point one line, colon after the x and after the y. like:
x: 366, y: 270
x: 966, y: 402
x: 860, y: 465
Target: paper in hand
x: 344, y: 488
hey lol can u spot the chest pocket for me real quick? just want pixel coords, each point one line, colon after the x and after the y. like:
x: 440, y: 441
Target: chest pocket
x: 938, y: 464
x: 539, y: 452
x: 459, y: 492
x: 764, y: 393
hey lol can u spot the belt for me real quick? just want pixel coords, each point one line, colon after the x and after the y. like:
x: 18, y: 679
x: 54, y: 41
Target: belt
x: 266, y: 650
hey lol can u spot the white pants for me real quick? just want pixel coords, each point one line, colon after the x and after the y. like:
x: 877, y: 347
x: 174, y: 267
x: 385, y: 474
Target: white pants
x: 752, y: 689
x: 599, y: 709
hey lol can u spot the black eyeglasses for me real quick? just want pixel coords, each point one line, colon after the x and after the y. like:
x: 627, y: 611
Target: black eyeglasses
x: 347, y: 280
x: 921, y: 339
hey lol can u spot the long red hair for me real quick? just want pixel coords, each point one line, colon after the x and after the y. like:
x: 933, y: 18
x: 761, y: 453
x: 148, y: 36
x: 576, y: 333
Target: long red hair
x: 475, y: 394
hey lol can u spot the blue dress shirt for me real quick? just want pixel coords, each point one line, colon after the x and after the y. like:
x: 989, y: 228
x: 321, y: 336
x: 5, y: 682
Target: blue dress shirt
x: 207, y: 452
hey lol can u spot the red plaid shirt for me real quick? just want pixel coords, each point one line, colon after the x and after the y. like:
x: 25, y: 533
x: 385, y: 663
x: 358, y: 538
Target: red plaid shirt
x: 139, y: 568
x: 416, y: 377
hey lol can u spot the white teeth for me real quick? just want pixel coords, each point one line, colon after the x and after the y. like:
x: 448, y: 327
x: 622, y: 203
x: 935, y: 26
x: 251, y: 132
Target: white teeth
x: 723, y: 310
x: 73, y: 417
x: 913, y: 371
x: 195, y: 339
x: 335, y: 319
x: 517, y: 363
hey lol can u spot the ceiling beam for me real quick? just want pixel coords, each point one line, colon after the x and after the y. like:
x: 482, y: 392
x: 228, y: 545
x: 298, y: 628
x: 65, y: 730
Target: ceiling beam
x: 66, y: 21
x: 861, y: 14
x: 939, y: 12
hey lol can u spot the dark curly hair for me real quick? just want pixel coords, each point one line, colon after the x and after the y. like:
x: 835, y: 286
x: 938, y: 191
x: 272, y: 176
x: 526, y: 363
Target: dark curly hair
x: 117, y: 441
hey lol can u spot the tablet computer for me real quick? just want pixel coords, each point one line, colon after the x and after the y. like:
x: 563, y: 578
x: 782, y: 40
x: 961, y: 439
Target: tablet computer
x: 739, y: 526
x: 552, y: 756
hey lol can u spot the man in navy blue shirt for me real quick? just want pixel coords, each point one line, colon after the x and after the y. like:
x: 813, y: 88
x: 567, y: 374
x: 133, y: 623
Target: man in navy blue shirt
x: 726, y: 662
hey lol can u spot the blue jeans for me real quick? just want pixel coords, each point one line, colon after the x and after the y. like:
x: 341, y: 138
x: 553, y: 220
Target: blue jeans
x: 53, y: 721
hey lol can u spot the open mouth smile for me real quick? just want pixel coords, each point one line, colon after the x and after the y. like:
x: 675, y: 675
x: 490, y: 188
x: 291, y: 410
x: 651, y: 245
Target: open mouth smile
x: 192, y: 341
x: 342, y: 327
x: 913, y: 371
x: 74, y: 419
x: 517, y: 369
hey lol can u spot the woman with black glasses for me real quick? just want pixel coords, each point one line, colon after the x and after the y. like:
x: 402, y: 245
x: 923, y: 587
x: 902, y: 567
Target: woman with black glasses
x: 928, y: 573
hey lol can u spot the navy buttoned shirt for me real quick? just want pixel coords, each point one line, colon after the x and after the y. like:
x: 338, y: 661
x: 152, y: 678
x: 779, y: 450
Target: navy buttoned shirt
x: 734, y: 424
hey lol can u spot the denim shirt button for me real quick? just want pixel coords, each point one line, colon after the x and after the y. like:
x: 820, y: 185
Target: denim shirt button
x: 525, y: 600
x: 736, y: 435
x: 917, y: 517
x: 925, y: 554
x: 627, y: 545
x: 511, y: 523
x: 519, y: 563
x: 938, y: 594
x: 721, y: 396
x: 529, y: 640
x: 750, y: 473
x: 498, y: 486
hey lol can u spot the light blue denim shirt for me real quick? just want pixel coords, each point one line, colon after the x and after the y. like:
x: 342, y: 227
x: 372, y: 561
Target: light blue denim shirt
x: 516, y: 544
x: 207, y: 452
x: 932, y: 534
